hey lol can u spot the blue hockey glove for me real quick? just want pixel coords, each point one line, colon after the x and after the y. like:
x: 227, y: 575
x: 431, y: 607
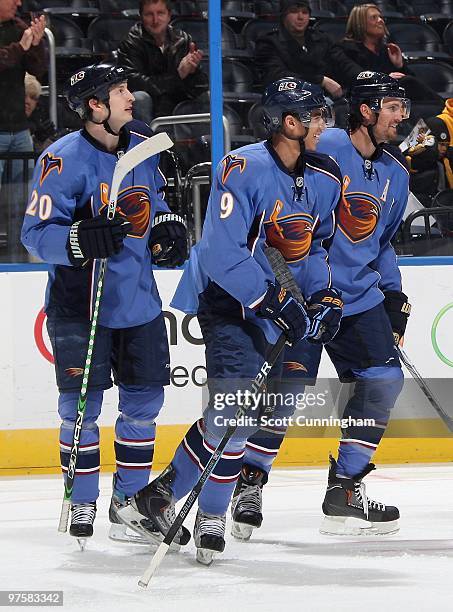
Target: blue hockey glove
x: 324, y: 311
x: 398, y: 310
x: 279, y: 305
x: 168, y: 240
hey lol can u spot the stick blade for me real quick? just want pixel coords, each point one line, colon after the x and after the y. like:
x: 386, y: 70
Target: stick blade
x: 64, y: 516
x: 154, y: 565
x: 149, y: 147
x: 138, y: 154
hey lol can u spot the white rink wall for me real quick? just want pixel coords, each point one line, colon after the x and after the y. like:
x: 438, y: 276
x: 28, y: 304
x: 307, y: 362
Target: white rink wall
x: 27, y: 383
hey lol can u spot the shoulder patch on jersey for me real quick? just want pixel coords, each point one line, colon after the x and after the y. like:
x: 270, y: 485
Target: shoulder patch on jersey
x: 321, y: 162
x: 48, y: 163
x: 394, y: 152
x: 230, y: 162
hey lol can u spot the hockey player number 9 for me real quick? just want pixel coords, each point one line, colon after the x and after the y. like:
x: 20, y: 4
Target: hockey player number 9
x: 44, y: 207
x: 226, y: 205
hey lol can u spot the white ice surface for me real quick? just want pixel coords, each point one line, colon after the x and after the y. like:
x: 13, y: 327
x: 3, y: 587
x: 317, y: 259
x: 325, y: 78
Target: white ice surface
x: 287, y: 565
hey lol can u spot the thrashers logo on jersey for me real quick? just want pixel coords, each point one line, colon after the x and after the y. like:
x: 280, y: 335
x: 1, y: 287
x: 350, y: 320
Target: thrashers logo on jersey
x: 293, y: 366
x: 290, y: 234
x: 133, y: 203
x: 358, y: 215
x: 230, y: 163
x: 48, y: 163
x: 74, y: 372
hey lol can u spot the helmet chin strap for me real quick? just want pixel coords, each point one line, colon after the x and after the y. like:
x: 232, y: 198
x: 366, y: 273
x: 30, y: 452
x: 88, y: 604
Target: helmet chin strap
x: 105, y: 122
x: 377, y: 146
x: 302, y: 140
x: 302, y: 145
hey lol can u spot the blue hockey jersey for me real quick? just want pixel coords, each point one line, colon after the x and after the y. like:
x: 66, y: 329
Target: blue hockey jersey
x: 256, y: 201
x: 375, y: 193
x: 71, y: 181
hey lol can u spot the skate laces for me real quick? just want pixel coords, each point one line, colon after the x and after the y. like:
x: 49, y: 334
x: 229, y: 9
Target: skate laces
x: 210, y: 524
x: 368, y: 504
x: 83, y: 513
x: 250, y: 498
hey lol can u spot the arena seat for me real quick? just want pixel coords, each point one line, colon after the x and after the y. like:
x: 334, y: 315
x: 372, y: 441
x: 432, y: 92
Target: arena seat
x: 116, y: 6
x: 417, y: 39
x: 335, y: 28
x: 255, y: 28
x: 106, y: 32
x: 447, y: 37
x: 438, y: 75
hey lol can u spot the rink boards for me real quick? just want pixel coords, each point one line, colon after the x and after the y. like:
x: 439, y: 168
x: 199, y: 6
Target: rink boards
x: 29, y: 421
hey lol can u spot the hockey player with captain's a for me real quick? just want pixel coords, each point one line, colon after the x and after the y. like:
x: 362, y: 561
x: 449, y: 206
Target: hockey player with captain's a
x: 365, y: 269
x: 66, y: 226
x: 275, y: 193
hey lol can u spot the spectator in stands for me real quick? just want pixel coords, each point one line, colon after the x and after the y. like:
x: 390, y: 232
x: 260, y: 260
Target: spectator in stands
x: 365, y: 47
x: 41, y: 127
x: 21, y: 49
x: 295, y: 49
x: 426, y: 171
x: 442, y: 129
x: 162, y: 62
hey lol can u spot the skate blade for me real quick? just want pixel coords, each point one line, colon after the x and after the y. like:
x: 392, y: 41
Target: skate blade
x: 205, y: 556
x: 131, y: 518
x: 122, y: 533
x: 241, y: 531
x: 348, y: 525
x: 82, y: 542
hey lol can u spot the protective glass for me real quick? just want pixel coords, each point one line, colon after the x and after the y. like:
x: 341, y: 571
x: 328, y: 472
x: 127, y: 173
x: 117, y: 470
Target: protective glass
x: 392, y: 105
x: 314, y: 117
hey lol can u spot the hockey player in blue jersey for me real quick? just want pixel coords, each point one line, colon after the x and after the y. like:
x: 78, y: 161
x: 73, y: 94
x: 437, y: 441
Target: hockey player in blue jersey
x: 70, y: 195
x: 271, y: 192
x: 364, y: 268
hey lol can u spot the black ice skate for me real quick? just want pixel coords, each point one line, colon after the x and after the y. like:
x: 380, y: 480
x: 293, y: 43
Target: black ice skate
x: 348, y: 511
x: 208, y: 535
x: 155, y: 503
x: 246, y: 506
x: 82, y: 519
x: 141, y: 531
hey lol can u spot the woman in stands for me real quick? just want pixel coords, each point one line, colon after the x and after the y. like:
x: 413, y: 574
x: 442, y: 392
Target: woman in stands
x: 366, y: 47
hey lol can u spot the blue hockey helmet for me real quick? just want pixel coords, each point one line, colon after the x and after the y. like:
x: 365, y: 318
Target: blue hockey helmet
x: 94, y: 81
x: 372, y: 87
x: 292, y: 96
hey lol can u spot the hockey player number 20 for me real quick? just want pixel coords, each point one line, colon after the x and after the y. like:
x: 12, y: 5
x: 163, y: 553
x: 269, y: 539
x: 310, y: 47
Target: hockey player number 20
x: 42, y: 206
x: 226, y: 205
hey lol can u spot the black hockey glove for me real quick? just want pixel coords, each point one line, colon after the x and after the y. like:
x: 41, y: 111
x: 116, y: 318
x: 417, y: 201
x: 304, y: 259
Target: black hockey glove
x: 96, y: 238
x: 168, y: 240
x: 324, y: 311
x: 398, y: 310
x: 279, y: 305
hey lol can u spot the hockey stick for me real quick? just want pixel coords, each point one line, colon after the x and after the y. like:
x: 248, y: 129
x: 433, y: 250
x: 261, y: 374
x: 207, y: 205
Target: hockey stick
x: 147, y: 148
x: 425, y: 389
x: 282, y: 274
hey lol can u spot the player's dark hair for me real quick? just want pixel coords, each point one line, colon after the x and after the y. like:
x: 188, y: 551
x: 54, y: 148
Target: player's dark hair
x: 355, y: 120
x: 143, y: 3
